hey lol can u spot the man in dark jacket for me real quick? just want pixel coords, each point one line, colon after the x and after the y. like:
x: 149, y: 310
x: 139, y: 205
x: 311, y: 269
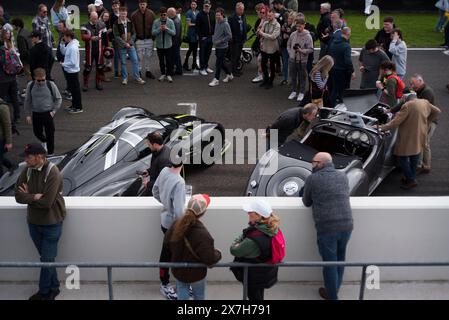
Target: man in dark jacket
x: 177, y: 41
x: 383, y: 37
x: 24, y: 43
x: 323, y: 26
x: 327, y: 191
x: 8, y: 86
x: 39, y: 55
x: 205, y: 26
x: 343, y: 69
x: 239, y: 29
x: 40, y: 187
x: 159, y: 160
x: 292, y: 119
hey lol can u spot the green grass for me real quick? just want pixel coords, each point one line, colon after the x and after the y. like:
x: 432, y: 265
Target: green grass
x: 417, y: 28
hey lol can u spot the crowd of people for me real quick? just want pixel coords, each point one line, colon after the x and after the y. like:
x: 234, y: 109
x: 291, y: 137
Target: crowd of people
x: 284, y: 45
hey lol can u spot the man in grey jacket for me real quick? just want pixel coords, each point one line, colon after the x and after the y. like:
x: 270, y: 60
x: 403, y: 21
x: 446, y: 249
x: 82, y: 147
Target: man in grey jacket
x: 222, y: 36
x: 170, y: 190
x: 41, y: 103
x: 327, y: 191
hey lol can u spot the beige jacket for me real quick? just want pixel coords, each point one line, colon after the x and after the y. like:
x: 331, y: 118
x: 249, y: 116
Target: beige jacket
x: 271, y: 31
x: 413, y: 121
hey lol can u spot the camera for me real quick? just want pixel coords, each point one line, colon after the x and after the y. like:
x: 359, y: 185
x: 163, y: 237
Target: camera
x: 296, y: 46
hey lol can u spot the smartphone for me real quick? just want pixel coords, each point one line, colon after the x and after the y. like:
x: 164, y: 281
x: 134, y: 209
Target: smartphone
x: 141, y: 173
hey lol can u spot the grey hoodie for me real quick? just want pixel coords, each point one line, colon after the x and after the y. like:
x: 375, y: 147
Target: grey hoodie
x: 222, y: 34
x: 170, y: 190
x: 305, y: 41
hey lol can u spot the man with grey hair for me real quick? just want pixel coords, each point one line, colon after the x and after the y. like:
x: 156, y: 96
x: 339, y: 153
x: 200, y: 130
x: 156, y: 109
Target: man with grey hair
x: 323, y: 27
x: 343, y: 69
x: 177, y: 41
x: 413, y: 121
x: 326, y: 190
x: 424, y: 91
x: 239, y: 29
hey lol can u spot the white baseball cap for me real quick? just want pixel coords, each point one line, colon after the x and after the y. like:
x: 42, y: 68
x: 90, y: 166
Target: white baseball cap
x: 259, y: 206
x: 98, y: 3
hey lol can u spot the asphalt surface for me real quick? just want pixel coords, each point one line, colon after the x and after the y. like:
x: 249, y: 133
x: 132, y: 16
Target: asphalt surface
x: 239, y: 104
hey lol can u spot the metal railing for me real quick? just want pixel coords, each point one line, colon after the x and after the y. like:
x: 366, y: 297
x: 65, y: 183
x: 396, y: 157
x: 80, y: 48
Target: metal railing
x: 245, y: 266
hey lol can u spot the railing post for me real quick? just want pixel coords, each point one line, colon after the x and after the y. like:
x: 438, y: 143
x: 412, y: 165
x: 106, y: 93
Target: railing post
x: 111, y: 290
x: 245, y: 283
x: 362, y: 283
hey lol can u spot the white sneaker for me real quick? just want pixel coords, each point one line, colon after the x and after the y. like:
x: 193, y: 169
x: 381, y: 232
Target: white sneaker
x: 292, y: 95
x: 300, y: 97
x: 169, y: 79
x: 214, y: 83
x: 203, y: 72
x: 44, y: 145
x: 125, y: 82
x: 168, y: 292
x: 161, y: 78
x: 257, y: 79
x: 228, y: 78
x: 209, y: 70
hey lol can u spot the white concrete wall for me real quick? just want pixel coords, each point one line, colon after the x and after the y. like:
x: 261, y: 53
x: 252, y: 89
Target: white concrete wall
x: 128, y: 230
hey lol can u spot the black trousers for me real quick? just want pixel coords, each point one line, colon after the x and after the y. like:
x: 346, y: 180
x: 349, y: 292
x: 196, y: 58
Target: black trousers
x: 4, y: 161
x: 164, y: 273
x: 255, y: 293
x: 44, y: 129
x: 8, y: 92
x: 73, y: 85
x: 340, y: 80
x: 205, y: 52
x: 265, y: 58
x: 193, y: 49
x: 236, y: 52
x: 165, y: 61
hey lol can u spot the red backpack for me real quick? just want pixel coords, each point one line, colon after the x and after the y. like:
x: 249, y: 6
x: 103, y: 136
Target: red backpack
x: 10, y: 61
x: 401, y: 85
x: 277, y: 248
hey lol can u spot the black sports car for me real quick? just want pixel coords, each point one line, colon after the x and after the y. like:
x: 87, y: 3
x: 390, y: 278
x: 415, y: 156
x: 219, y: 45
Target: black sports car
x: 107, y: 163
x: 362, y: 152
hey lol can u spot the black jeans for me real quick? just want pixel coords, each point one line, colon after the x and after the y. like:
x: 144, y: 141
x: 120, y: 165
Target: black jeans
x: 164, y: 273
x: 265, y: 58
x: 236, y: 52
x: 255, y: 293
x: 4, y: 161
x: 73, y: 85
x: 165, y: 61
x: 43, y: 122
x: 205, y: 52
x: 446, y: 34
x: 8, y: 92
x: 220, y: 63
x: 193, y: 49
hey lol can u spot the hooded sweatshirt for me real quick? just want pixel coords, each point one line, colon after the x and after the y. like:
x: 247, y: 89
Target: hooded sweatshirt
x: 222, y: 34
x: 71, y: 54
x: 305, y: 42
x: 170, y: 190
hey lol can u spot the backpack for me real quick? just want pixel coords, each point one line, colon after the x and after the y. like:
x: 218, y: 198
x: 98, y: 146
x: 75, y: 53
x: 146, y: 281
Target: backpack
x: 401, y: 85
x: 277, y: 248
x: 47, y: 172
x: 11, y: 62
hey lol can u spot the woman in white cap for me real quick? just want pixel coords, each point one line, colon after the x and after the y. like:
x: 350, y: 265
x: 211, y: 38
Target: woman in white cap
x: 189, y: 241
x: 255, y: 246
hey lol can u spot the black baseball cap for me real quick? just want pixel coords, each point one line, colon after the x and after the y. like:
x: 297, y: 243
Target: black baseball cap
x: 34, y: 149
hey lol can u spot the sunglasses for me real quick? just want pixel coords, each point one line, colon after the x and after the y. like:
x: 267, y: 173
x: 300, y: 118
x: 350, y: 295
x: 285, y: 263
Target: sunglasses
x: 40, y: 80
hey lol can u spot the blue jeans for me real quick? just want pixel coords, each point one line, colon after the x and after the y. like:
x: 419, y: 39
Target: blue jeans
x: 176, y: 54
x: 284, y: 53
x: 408, y: 165
x: 135, y: 63
x: 46, y: 239
x: 441, y: 20
x: 220, y: 63
x: 332, y: 247
x: 198, y: 288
